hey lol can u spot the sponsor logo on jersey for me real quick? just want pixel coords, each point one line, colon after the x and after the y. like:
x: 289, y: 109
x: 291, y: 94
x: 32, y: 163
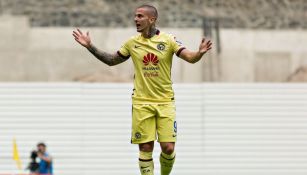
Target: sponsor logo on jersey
x: 150, y: 57
x: 151, y: 74
x: 151, y: 68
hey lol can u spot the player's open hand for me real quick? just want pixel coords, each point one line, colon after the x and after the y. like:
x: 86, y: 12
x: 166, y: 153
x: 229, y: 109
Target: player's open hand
x: 81, y: 38
x: 205, y: 46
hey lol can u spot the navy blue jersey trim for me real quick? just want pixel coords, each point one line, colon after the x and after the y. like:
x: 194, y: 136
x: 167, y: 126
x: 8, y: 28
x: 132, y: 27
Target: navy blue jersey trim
x: 121, y: 55
x: 179, y: 51
x: 157, y: 32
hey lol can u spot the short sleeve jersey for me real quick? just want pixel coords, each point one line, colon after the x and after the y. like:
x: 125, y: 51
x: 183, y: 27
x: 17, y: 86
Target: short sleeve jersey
x: 152, y: 59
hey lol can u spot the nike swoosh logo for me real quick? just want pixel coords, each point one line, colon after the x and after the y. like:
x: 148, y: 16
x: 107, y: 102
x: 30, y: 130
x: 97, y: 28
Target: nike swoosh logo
x: 135, y: 46
x: 144, y: 167
x: 174, y: 135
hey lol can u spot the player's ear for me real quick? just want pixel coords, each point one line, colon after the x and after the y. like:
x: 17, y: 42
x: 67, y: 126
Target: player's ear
x: 152, y: 19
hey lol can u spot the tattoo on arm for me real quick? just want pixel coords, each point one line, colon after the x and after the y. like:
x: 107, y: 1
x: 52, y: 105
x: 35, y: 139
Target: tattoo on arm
x: 109, y: 59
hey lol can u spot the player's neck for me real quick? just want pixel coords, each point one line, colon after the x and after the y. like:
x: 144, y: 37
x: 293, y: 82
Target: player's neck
x: 150, y: 32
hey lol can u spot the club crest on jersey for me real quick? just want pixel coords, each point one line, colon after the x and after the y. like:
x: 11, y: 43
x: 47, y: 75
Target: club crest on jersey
x: 150, y: 57
x: 138, y: 135
x: 160, y: 46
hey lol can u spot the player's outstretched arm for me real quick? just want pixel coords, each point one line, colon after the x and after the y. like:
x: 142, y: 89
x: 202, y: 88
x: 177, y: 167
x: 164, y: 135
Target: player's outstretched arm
x: 107, y: 58
x: 193, y: 57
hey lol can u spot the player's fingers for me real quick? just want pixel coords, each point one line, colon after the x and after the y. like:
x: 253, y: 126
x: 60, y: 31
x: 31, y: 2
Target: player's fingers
x: 209, y: 42
x: 76, y: 33
x: 203, y: 40
x: 77, y: 40
x: 79, y: 31
x: 87, y: 33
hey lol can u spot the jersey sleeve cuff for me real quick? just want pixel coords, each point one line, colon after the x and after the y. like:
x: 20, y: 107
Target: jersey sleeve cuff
x: 179, y: 51
x: 121, y: 55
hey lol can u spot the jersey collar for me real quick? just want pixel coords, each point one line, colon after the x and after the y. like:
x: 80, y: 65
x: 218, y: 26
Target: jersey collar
x: 157, y: 32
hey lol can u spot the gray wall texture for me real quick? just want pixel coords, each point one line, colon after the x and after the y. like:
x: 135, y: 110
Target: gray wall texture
x: 36, y: 42
x: 256, y: 14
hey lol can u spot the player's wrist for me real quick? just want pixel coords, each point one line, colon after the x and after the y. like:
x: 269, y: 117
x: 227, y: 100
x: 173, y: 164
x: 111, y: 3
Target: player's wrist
x: 89, y: 46
x: 200, y: 54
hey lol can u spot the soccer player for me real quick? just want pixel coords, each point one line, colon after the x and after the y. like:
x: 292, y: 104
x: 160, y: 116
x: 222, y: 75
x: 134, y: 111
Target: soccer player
x: 153, y: 110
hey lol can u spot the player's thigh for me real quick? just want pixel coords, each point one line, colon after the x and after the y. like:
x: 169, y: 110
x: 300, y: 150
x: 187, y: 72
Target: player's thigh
x: 143, y: 124
x: 166, y: 123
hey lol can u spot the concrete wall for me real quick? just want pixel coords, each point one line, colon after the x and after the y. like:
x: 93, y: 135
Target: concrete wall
x: 265, y: 56
x: 51, y: 54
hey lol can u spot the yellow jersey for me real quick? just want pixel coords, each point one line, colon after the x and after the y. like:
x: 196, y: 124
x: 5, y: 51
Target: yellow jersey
x: 152, y: 59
